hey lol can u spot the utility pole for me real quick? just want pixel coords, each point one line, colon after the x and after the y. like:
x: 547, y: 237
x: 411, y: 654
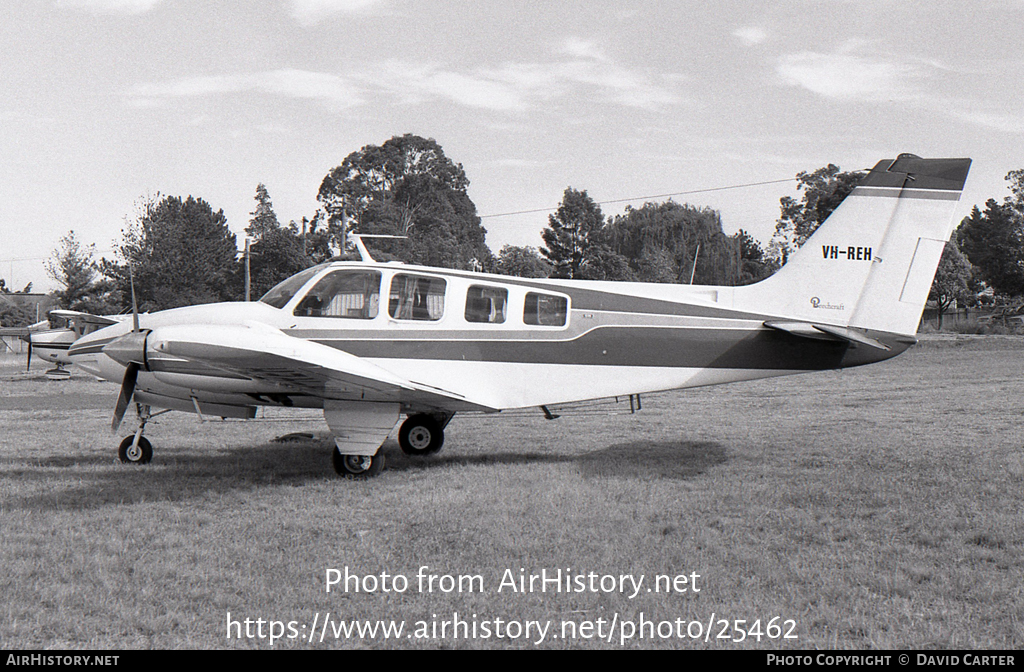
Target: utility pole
x: 247, y: 283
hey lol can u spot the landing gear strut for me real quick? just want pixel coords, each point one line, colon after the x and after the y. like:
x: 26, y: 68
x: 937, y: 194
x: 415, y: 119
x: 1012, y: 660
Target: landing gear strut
x: 59, y: 373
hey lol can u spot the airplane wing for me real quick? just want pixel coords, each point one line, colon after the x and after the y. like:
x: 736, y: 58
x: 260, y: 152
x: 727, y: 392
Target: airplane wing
x: 25, y: 331
x: 86, y: 318
x: 263, y: 353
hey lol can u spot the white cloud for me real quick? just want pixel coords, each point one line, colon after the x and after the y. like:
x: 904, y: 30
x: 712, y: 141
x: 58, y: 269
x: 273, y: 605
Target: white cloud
x: 751, y: 35
x: 112, y: 6
x: 579, y: 48
x: 520, y: 86
x: 330, y: 89
x: 1004, y: 122
x: 848, y: 76
x: 919, y: 83
x: 309, y: 12
x: 414, y: 83
x: 513, y: 87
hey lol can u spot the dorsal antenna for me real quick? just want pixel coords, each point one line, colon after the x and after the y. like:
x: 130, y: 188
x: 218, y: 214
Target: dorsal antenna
x: 364, y: 254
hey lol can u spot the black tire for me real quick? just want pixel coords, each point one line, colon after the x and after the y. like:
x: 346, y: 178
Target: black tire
x: 141, y: 455
x: 358, y: 466
x: 420, y: 435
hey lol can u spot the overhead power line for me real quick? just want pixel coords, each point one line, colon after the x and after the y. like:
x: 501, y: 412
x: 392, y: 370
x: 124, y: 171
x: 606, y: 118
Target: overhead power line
x: 644, y: 198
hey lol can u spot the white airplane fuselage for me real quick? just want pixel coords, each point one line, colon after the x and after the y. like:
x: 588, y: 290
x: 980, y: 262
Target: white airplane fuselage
x: 613, y: 343
x: 369, y: 341
x: 51, y: 345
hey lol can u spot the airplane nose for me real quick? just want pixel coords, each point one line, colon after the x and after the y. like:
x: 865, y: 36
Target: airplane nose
x: 128, y: 348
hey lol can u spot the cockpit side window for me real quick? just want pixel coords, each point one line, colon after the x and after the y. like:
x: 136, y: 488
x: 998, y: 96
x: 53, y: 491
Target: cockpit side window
x: 282, y: 293
x: 545, y: 310
x: 486, y: 304
x: 416, y: 297
x: 347, y: 293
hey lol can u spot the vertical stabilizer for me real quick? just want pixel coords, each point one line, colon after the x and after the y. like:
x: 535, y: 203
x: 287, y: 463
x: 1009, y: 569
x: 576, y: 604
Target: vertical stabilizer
x: 870, y: 265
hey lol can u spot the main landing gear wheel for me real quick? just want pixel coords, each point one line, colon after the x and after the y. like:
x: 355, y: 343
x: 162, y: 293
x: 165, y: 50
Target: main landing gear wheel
x: 140, y: 454
x: 358, y: 466
x: 420, y: 435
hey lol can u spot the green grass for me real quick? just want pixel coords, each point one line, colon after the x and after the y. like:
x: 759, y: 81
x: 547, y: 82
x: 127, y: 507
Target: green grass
x: 877, y: 507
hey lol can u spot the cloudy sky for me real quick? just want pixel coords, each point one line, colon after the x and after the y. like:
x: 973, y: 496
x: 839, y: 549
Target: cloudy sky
x: 106, y: 102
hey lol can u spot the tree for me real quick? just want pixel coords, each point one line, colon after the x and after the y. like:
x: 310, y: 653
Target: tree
x: 993, y: 241
x: 181, y: 253
x: 71, y: 266
x: 669, y: 242
x: 604, y: 263
x: 572, y: 231
x: 405, y: 187
x: 1016, y: 180
x: 524, y: 262
x: 263, y: 218
x: 14, y: 314
x: 276, y: 256
x: 754, y: 264
x: 952, y: 280
x: 277, y: 252
x: 103, y: 297
x: 824, y: 190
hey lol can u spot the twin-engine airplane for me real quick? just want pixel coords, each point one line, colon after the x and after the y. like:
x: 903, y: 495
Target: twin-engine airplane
x: 370, y: 342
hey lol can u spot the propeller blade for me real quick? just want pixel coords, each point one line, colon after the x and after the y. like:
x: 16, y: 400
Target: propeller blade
x: 28, y: 360
x: 135, y: 305
x: 125, y: 397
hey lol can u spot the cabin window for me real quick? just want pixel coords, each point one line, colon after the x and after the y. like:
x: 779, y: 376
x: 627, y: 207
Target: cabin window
x: 545, y: 310
x: 349, y: 294
x: 416, y: 297
x: 486, y: 304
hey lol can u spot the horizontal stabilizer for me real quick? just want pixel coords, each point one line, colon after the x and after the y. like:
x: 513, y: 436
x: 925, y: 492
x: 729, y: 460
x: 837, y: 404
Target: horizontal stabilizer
x: 826, y: 332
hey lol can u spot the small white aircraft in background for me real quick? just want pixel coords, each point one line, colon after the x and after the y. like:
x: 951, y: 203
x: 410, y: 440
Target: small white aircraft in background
x: 25, y: 334
x: 369, y: 342
x: 51, y: 344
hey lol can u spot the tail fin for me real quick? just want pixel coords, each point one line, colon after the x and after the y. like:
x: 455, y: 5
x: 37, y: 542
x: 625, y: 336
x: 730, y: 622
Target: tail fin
x: 870, y: 265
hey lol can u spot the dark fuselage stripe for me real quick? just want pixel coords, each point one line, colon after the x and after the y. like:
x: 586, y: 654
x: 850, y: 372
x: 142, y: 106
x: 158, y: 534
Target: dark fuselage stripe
x: 622, y: 346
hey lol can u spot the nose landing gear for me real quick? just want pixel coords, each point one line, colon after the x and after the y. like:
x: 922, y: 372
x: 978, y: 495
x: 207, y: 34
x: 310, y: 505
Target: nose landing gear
x: 136, y: 449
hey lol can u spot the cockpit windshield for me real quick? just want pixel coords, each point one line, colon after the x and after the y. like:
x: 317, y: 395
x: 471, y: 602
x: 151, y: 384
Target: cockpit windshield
x: 285, y: 290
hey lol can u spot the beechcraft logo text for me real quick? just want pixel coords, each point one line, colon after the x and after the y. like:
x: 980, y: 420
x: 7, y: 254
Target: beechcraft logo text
x: 825, y: 305
x: 850, y: 253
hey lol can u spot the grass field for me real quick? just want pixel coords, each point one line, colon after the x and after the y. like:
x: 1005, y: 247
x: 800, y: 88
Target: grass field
x: 874, y: 508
